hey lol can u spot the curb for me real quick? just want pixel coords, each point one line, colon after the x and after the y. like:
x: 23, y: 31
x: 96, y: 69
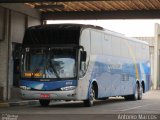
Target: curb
x: 4, y: 104
x: 19, y: 103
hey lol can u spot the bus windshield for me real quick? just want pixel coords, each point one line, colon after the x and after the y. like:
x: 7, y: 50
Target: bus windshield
x: 52, y: 63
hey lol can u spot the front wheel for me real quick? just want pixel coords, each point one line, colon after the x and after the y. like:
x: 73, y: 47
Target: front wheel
x: 91, y: 98
x: 44, y: 103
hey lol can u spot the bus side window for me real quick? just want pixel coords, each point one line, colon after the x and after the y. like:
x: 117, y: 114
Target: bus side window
x: 115, y: 46
x: 96, y: 42
x: 85, y: 42
x: 107, y: 48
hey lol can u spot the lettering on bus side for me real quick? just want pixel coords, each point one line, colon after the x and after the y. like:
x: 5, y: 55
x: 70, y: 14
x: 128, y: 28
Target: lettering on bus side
x: 111, y: 67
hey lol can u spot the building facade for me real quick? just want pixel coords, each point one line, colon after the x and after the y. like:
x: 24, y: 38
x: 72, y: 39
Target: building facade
x: 154, y: 43
x: 14, y: 19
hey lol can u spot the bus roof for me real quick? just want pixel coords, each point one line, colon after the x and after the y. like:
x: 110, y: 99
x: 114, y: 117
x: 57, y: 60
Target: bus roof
x: 63, y: 34
x: 66, y: 26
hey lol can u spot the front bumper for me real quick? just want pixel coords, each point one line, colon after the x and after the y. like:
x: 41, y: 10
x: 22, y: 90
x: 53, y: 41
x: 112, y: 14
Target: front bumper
x: 54, y: 95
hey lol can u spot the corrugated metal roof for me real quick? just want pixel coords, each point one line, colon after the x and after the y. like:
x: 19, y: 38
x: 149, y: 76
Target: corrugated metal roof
x: 97, y: 5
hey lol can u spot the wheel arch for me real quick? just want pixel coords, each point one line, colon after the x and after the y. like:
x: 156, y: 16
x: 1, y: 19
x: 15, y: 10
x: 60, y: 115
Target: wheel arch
x: 137, y: 82
x: 95, y: 86
x: 143, y: 86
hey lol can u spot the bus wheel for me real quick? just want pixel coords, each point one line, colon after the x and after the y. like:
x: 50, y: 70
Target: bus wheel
x: 44, y: 103
x: 134, y: 96
x: 140, y: 92
x: 89, y: 102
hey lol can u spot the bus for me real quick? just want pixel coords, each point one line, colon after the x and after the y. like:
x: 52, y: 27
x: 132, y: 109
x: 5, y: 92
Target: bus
x: 82, y: 63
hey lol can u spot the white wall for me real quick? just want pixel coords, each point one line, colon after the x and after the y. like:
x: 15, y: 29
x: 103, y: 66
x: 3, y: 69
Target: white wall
x: 12, y: 26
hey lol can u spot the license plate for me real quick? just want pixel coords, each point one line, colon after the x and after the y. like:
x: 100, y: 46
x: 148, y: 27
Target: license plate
x: 45, y: 96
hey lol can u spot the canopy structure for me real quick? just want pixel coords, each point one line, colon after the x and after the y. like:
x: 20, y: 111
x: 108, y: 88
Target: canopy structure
x: 93, y: 9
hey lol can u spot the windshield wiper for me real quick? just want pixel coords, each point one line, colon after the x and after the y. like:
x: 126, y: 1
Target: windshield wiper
x: 54, y: 70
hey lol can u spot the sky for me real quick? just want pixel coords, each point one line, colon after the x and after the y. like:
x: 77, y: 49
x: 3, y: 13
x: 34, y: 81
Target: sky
x: 130, y: 28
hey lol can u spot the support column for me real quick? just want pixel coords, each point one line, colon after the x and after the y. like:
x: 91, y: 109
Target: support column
x: 4, y: 55
x: 157, y: 57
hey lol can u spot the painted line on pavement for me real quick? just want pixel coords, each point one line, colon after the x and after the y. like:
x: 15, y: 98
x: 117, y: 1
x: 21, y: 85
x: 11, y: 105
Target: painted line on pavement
x: 135, y: 107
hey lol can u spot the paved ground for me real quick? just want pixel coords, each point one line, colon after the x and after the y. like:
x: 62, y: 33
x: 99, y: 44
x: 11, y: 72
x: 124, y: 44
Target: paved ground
x: 113, y: 109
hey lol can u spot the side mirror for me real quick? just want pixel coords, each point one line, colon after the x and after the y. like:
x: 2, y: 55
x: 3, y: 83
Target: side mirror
x: 83, y: 55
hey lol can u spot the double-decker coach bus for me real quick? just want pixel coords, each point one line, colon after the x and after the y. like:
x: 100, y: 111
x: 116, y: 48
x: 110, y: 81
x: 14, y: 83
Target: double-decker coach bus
x: 82, y: 62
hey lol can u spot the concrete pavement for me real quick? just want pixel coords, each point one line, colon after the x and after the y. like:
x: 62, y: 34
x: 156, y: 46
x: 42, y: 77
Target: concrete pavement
x: 112, y: 109
x: 18, y: 103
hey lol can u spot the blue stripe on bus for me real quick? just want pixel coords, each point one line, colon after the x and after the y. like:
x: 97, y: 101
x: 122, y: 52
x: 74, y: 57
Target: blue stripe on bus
x: 109, y: 73
x: 52, y: 85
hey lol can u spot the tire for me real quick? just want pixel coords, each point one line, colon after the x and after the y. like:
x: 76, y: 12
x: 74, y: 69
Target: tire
x: 91, y: 98
x: 140, y: 92
x: 44, y: 103
x: 135, y: 95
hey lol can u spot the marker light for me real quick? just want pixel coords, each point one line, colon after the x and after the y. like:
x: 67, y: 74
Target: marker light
x: 68, y: 88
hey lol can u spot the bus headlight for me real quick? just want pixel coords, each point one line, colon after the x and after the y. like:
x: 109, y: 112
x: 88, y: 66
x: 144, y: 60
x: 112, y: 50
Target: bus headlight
x: 25, y: 87
x: 68, y: 88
